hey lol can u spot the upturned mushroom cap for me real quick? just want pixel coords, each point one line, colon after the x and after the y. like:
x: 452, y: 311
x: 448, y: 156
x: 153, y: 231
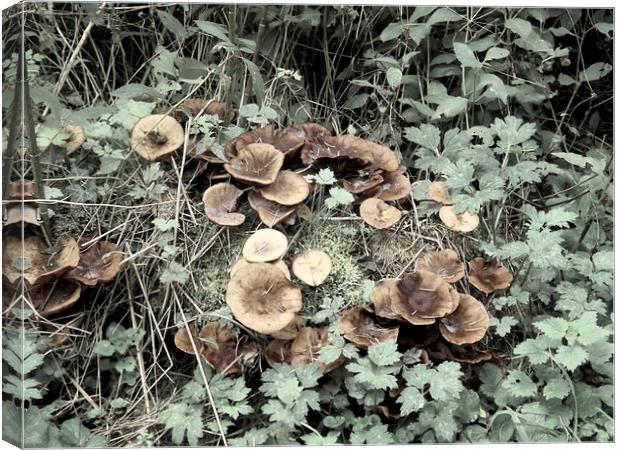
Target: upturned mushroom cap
x: 256, y: 163
x: 270, y: 213
x: 467, y: 324
x: 195, y: 106
x: 243, y: 263
x: 383, y: 296
x: 220, y: 201
x: 488, y: 276
x: 394, y: 187
x: 438, y: 191
x: 52, y: 298
x: 466, y: 354
x: 262, y: 298
x: 183, y: 339
x: 463, y: 222
x: 22, y: 213
x: 378, y: 214
x: 37, y: 264
x: 21, y: 189
x: 290, y: 332
x: 288, y: 188
x: 98, y: 264
x: 312, y: 267
x: 306, y: 132
x: 156, y: 135
x: 224, y: 350
x: 287, y: 143
x: 423, y: 296
x: 359, y: 326
x: 359, y: 184
x: 265, y: 245
x: 445, y: 263
x: 307, y: 346
x: 278, y: 351
x: 77, y: 137
x: 344, y: 147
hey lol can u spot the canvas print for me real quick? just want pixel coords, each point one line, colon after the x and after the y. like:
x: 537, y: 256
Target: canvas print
x: 288, y: 224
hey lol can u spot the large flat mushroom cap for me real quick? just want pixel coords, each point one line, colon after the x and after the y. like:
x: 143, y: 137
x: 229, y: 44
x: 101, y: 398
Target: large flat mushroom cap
x: 383, y: 296
x: 290, y: 332
x: 262, y: 298
x: 312, y: 267
x: 342, y: 147
x: 156, y: 135
x: 445, y: 263
x: 423, y: 295
x: 194, y: 106
x: 220, y: 201
x: 488, y: 276
x: 256, y: 163
x: 243, y: 263
x: 359, y: 326
x: 265, y: 245
x: 37, y: 264
x: 467, y: 324
x: 289, y: 188
x: 362, y: 183
x: 463, y: 222
x: 99, y: 263
x: 53, y: 298
x: 378, y: 214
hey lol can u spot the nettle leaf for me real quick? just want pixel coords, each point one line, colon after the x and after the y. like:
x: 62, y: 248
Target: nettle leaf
x: 458, y: 176
x: 503, y: 325
x: 538, y: 350
x: 391, y: 32
x: 466, y: 56
x: 572, y: 356
x: 554, y: 327
x: 394, y: 77
x: 511, y: 131
x: 556, y: 388
x: 338, y: 197
x: 377, y: 377
x: 428, y: 136
x: 496, y: 53
x: 519, y: 384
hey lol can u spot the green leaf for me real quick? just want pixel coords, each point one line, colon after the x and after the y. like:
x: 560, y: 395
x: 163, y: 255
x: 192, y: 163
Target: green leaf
x: 555, y: 327
x: 338, y: 197
x: 213, y: 29
x: 519, y: 384
x: 165, y: 224
x: 428, y: 136
x: 595, y: 72
x: 604, y: 27
x: 504, y: 325
x: 174, y: 273
x: 571, y: 357
x: 104, y: 348
x: 466, y: 56
x: 519, y: 26
x: 412, y: 400
x: 185, y: 421
x: 384, y: 353
x: 496, y: 53
x: 556, y: 388
x: 172, y: 24
x: 391, y: 32
x: 446, y: 384
x: 356, y: 101
x: 258, y: 84
x: 394, y: 77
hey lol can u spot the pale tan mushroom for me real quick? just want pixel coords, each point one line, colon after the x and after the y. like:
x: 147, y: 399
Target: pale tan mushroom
x: 262, y: 298
x: 256, y: 163
x: 445, y: 263
x: 220, y: 202
x: 99, y: 263
x: 306, y: 348
x: 378, y: 214
x: 312, y: 267
x: 488, y: 276
x: 463, y: 222
x: 359, y: 325
x: 423, y: 296
x: 290, y: 332
x: 270, y: 213
x: 265, y: 245
x: 288, y: 188
x: 394, y: 187
x: 467, y: 324
x: 54, y: 297
x: 438, y: 191
x: 242, y: 263
x: 383, y: 296
x: 156, y: 135
x: 77, y: 137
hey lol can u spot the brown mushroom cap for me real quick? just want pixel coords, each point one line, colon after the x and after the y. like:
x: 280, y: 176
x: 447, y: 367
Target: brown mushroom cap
x: 289, y: 188
x: 438, y: 191
x: 256, y: 163
x: 242, y: 263
x: 195, y: 106
x: 383, y: 296
x: 289, y: 332
x: 183, y: 339
x: 466, y: 354
x: 220, y: 201
x: 22, y: 213
x: 306, y: 348
x: 359, y: 326
x: 270, y: 213
x: 52, y: 298
x: 99, y: 263
x: 262, y: 298
x: 312, y: 267
x: 394, y: 187
x: 156, y: 135
x: 287, y: 143
x: 467, y: 324
x: 463, y: 222
x: 224, y: 350
x: 378, y: 214
x: 21, y: 189
x: 77, y: 137
x: 423, y: 296
x: 445, y: 263
x: 359, y: 184
x: 343, y: 147
x: 306, y: 132
x: 278, y: 351
x: 488, y: 276
x: 265, y: 245
x: 37, y: 264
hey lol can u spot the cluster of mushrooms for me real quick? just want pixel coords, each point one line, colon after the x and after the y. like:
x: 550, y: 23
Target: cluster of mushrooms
x: 421, y: 310
x: 273, y: 167
x: 52, y: 278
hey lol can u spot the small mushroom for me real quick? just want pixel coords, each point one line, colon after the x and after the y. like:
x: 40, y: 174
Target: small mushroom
x: 77, y: 137
x: 359, y: 184
x: 278, y: 351
x: 312, y: 267
x: 54, y: 297
x: 270, y: 213
x: 467, y: 324
x: 378, y: 214
x: 195, y: 106
x: 349, y: 148
x: 383, y: 297
x: 224, y: 350
x: 99, y: 263
x: 306, y: 348
x: 289, y: 188
x: 445, y: 263
x: 488, y: 276
x: 463, y: 222
x: 394, y: 187
x: 183, y: 339
x: 262, y: 298
x: 438, y: 191
x: 424, y: 296
x: 265, y: 245
x: 220, y: 203
x: 33, y: 261
x: 242, y: 263
x: 359, y: 326
x: 256, y: 163
x: 287, y: 143
x: 156, y: 135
